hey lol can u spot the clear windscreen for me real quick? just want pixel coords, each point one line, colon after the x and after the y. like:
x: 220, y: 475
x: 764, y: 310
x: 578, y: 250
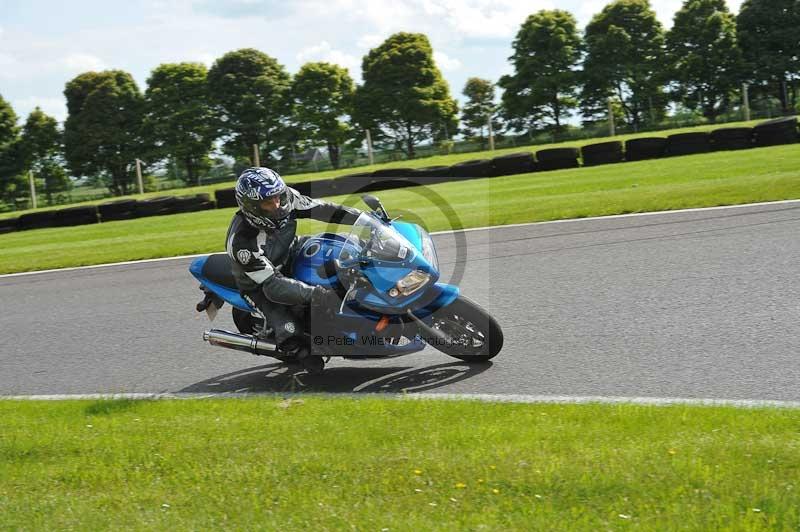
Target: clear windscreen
x: 372, y: 240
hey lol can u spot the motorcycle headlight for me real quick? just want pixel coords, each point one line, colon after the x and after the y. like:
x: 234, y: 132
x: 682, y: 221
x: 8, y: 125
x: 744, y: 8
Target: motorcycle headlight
x: 411, y: 282
x: 428, y: 251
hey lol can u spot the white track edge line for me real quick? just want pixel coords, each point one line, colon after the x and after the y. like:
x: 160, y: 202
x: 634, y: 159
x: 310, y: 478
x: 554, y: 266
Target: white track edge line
x: 468, y: 230
x: 480, y: 397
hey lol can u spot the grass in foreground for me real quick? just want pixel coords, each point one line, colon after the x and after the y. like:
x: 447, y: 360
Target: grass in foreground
x: 445, y: 160
x: 375, y: 464
x: 724, y: 178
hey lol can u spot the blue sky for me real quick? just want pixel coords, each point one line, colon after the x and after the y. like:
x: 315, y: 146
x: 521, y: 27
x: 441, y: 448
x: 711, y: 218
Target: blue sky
x: 44, y: 44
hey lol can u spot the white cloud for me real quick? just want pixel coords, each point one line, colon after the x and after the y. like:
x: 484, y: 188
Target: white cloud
x: 370, y: 41
x: 490, y: 18
x: 82, y: 63
x: 325, y: 52
x: 445, y: 62
x: 202, y: 57
x: 55, y: 107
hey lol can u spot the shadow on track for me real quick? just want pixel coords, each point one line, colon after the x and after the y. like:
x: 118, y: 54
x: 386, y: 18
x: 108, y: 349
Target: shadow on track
x: 282, y: 378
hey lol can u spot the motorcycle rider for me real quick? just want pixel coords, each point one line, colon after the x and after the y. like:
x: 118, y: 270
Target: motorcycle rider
x: 262, y: 242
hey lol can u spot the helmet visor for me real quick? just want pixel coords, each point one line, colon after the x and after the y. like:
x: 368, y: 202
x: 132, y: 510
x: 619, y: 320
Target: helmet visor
x: 274, y: 207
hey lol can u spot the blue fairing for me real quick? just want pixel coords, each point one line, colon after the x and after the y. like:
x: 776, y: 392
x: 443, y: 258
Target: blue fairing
x: 316, y: 251
x: 360, y: 315
x: 229, y: 295
x: 411, y: 232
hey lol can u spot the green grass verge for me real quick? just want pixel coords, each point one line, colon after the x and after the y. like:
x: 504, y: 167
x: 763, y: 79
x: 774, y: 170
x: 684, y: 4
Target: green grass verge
x: 723, y: 178
x: 378, y: 464
x: 445, y: 160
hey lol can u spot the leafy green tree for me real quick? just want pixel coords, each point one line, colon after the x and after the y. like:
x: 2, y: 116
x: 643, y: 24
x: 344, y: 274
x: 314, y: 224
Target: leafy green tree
x: 322, y: 94
x: 704, y: 57
x: 178, y: 120
x: 42, y: 149
x: 480, y: 107
x: 624, y: 59
x: 11, y: 156
x: 404, y: 98
x: 102, y: 133
x: 545, y: 81
x: 41, y: 138
x: 770, y: 42
x: 8, y: 123
x: 250, y: 94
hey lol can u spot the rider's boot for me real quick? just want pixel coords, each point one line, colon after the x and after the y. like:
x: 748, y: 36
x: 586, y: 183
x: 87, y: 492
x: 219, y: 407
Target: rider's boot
x: 313, y: 364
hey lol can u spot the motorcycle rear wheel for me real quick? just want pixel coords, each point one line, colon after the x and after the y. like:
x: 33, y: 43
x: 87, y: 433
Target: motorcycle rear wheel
x: 477, y: 335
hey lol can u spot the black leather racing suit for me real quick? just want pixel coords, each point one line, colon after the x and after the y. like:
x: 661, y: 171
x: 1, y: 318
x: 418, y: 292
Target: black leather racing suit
x: 261, y: 257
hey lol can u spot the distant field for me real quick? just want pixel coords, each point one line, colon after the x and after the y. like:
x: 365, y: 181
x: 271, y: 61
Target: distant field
x: 721, y: 178
x: 386, y: 464
x: 445, y: 160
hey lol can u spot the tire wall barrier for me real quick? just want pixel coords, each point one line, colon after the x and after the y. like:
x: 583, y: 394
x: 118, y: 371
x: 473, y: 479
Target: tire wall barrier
x: 687, y: 144
x: 473, y: 169
x: 514, y: 163
x: 602, y: 153
x: 8, y: 224
x: 156, y: 206
x: 731, y: 138
x: 768, y: 133
x: 36, y: 220
x: 75, y: 216
x: 557, y: 158
x: 225, y: 197
x: 775, y: 132
x: 117, y: 210
x: 352, y: 184
x: 645, y: 148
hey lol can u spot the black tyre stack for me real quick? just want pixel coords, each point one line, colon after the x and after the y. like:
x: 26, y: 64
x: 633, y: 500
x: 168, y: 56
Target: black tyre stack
x: 75, y: 216
x: 775, y: 132
x: 124, y: 209
x: 732, y: 138
x: 157, y: 206
x: 688, y: 144
x: 390, y: 178
x: 225, y: 197
x: 36, y: 220
x: 315, y: 189
x: 473, y: 169
x: 602, y: 153
x: 557, y: 158
x: 8, y: 225
x: 352, y: 183
x: 645, y: 148
x: 193, y: 203
x: 514, y: 163
x: 430, y: 175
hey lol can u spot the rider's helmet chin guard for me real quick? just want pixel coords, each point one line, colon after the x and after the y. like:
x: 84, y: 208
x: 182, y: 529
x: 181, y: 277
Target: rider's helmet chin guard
x: 256, y: 185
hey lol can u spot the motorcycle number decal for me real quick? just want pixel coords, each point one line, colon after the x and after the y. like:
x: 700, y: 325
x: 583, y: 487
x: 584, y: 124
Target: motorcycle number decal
x: 289, y: 326
x: 243, y: 256
x: 403, y: 252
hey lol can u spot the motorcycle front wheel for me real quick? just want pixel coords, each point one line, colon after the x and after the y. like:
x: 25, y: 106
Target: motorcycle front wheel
x: 475, y: 336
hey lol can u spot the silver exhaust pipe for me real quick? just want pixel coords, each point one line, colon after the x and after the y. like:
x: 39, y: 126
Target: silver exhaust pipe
x: 240, y: 342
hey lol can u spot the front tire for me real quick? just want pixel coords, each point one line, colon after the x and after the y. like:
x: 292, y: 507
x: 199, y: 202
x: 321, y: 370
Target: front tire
x: 476, y: 335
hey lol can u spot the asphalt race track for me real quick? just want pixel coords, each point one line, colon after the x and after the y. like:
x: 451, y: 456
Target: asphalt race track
x: 700, y: 304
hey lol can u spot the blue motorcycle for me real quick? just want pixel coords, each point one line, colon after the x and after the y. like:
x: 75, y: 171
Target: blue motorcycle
x: 386, y: 272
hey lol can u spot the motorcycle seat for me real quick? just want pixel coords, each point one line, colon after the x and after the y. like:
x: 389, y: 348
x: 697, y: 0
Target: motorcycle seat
x: 217, y: 269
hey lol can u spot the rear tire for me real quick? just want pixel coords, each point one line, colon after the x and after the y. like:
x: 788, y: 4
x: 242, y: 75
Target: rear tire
x: 478, y: 337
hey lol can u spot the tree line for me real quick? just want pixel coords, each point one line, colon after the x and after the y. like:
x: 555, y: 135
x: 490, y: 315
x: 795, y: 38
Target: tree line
x: 623, y: 62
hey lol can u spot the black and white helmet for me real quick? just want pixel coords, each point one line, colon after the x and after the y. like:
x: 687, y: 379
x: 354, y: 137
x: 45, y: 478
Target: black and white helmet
x: 254, y: 186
